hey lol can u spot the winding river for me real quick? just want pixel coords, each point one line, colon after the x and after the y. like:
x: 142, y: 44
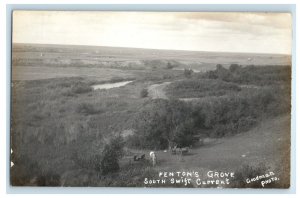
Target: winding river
x: 110, y: 85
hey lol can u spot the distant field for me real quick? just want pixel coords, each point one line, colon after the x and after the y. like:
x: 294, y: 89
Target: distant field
x: 29, y: 55
x: 44, y: 72
x: 106, y: 54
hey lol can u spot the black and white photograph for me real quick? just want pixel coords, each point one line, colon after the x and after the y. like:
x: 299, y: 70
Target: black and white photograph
x: 150, y: 99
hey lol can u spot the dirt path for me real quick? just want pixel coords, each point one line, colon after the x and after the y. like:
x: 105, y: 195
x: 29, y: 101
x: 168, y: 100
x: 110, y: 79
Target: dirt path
x: 157, y: 90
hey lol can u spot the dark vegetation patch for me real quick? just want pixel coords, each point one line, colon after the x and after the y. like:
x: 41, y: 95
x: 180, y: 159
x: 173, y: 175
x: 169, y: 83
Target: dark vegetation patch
x: 160, y: 123
x: 144, y: 93
x: 257, y: 75
x: 196, y: 88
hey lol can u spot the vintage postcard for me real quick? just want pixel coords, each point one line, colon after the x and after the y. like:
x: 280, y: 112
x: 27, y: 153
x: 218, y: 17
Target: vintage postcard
x: 151, y: 99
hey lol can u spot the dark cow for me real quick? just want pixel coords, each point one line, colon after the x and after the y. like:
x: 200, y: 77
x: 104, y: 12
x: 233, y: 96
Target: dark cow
x: 139, y: 157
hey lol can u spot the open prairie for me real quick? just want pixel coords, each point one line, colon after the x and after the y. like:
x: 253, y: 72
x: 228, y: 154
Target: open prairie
x: 70, y: 104
x: 49, y: 61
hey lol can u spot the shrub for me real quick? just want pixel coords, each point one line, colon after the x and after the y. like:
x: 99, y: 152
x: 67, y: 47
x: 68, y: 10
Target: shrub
x: 144, y: 93
x: 87, y: 108
x: 188, y: 73
x: 234, y: 67
x: 80, y: 88
x: 211, y: 74
x: 110, y: 156
x: 109, y: 163
x: 169, y: 65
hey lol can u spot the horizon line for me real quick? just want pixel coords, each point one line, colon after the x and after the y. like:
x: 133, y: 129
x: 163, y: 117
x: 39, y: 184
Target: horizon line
x: 229, y: 52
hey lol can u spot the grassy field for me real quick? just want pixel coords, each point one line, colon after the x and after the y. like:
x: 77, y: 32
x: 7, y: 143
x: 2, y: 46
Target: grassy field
x: 67, y: 59
x: 60, y: 125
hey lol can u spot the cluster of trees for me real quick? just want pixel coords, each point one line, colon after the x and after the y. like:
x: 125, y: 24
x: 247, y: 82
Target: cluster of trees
x: 235, y: 114
x: 259, y: 75
x: 163, y: 123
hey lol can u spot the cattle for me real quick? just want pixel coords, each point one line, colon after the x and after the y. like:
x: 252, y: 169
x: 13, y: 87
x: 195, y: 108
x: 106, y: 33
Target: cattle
x: 139, y: 158
x: 184, y: 150
x: 180, y: 150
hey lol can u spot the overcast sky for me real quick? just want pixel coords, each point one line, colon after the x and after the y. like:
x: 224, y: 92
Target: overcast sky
x: 200, y: 31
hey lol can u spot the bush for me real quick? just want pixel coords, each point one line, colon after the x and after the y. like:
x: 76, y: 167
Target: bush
x: 169, y: 65
x: 144, y: 93
x: 80, y: 88
x: 234, y: 67
x: 188, y: 73
x: 109, y: 162
x: 110, y: 156
x: 87, y: 108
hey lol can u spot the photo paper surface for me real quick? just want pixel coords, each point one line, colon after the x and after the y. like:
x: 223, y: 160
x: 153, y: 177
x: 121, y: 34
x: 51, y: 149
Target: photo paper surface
x: 151, y: 99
